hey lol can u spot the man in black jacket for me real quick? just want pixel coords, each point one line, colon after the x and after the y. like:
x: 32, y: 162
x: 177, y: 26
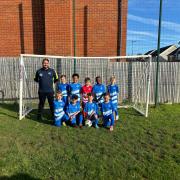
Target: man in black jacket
x: 45, y: 77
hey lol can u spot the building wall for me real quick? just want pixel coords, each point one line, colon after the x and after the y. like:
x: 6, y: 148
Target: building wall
x: 15, y: 27
x: 46, y: 27
x: 58, y: 27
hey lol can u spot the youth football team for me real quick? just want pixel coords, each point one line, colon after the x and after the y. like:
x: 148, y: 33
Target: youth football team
x: 75, y: 104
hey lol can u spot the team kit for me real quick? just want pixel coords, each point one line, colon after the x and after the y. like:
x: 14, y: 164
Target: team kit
x: 78, y: 105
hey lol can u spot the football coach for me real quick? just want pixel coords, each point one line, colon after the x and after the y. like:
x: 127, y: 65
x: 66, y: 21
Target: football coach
x: 45, y: 77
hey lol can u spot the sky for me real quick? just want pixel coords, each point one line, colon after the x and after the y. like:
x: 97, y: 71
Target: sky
x: 143, y: 18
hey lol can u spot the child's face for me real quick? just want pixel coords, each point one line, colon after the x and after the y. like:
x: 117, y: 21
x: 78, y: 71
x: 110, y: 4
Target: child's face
x: 90, y: 98
x: 88, y: 83
x: 75, y: 79
x: 58, y: 96
x: 106, y: 98
x: 98, y: 80
x: 63, y: 79
x: 74, y: 101
x: 113, y: 80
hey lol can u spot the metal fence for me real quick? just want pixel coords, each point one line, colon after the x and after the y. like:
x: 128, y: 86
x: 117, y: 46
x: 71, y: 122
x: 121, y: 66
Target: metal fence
x: 169, y: 76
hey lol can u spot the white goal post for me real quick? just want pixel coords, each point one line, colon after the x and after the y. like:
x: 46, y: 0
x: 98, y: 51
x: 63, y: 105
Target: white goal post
x: 133, y: 77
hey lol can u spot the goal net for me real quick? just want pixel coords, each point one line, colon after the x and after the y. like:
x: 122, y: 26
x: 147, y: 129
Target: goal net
x: 132, y: 77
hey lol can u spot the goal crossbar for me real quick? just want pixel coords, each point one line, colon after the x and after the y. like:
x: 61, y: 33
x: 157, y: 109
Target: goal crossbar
x: 80, y: 57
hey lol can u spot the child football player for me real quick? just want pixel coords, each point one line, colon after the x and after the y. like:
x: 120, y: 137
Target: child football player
x: 63, y: 87
x: 75, y: 87
x: 91, y: 110
x: 113, y: 90
x: 87, y: 88
x: 59, y: 114
x: 107, y: 109
x: 73, y: 111
x: 99, y: 90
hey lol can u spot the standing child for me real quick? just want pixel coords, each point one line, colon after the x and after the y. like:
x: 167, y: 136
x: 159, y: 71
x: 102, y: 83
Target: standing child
x: 87, y: 88
x: 73, y: 111
x: 75, y: 87
x: 91, y: 111
x: 63, y: 87
x: 107, y: 112
x: 99, y: 90
x: 113, y: 90
x: 59, y: 114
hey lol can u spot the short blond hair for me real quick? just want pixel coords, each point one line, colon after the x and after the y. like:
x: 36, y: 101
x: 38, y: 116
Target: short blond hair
x: 112, y: 77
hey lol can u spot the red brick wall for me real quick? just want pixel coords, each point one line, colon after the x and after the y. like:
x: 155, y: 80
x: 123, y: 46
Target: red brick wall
x: 13, y: 39
x: 46, y: 27
x: 100, y: 20
x: 58, y: 27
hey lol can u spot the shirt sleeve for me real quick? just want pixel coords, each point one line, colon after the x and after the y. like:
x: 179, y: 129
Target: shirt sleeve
x: 117, y: 89
x: 69, y: 89
x: 101, y: 107
x: 93, y: 89
x: 57, y: 87
x: 54, y: 105
x: 81, y: 90
x: 113, y: 108
x: 36, y: 78
x: 85, y: 108
x: 55, y: 76
x: 108, y: 89
x: 80, y: 85
x: 96, y: 108
x: 78, y: 106
x: 64, y: 106
x: 104, y: 89
x: 67, y: 110
x: 94, y: 94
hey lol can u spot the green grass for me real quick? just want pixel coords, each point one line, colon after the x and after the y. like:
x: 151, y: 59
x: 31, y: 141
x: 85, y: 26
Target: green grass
x: 139, y: 148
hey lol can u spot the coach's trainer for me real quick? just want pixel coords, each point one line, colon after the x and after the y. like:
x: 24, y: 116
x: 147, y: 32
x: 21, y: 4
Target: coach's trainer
x: 45, y: 77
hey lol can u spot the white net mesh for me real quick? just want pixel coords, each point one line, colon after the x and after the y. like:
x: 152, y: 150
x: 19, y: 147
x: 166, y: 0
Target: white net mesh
x: 132, y: 77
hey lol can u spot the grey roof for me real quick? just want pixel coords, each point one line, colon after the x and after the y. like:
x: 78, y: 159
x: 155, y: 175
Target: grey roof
x: 154, y: 52
x: 175, y: 51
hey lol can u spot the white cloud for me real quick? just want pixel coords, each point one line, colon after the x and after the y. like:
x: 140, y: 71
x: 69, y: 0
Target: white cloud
x: 165, y: 24
x: 142, y: 33
x: 171, y: 37
x: 149, y: 3
x: 144, y: 36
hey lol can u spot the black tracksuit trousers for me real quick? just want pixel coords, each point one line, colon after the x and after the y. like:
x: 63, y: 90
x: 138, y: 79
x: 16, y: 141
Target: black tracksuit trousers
x: 42, y: 99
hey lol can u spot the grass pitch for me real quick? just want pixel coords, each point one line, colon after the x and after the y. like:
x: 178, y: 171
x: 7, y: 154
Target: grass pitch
x: 138, y: 148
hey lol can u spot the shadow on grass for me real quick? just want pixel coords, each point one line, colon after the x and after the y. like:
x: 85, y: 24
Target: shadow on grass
x: 10, y: 106
x: 13, y: 107
x: 19, y: 176
x: 47, y: 118
x: 130, y: 111
x: 6, y: 114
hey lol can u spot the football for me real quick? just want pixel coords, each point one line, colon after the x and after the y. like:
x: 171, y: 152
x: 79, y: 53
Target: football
x: 88, y: 123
